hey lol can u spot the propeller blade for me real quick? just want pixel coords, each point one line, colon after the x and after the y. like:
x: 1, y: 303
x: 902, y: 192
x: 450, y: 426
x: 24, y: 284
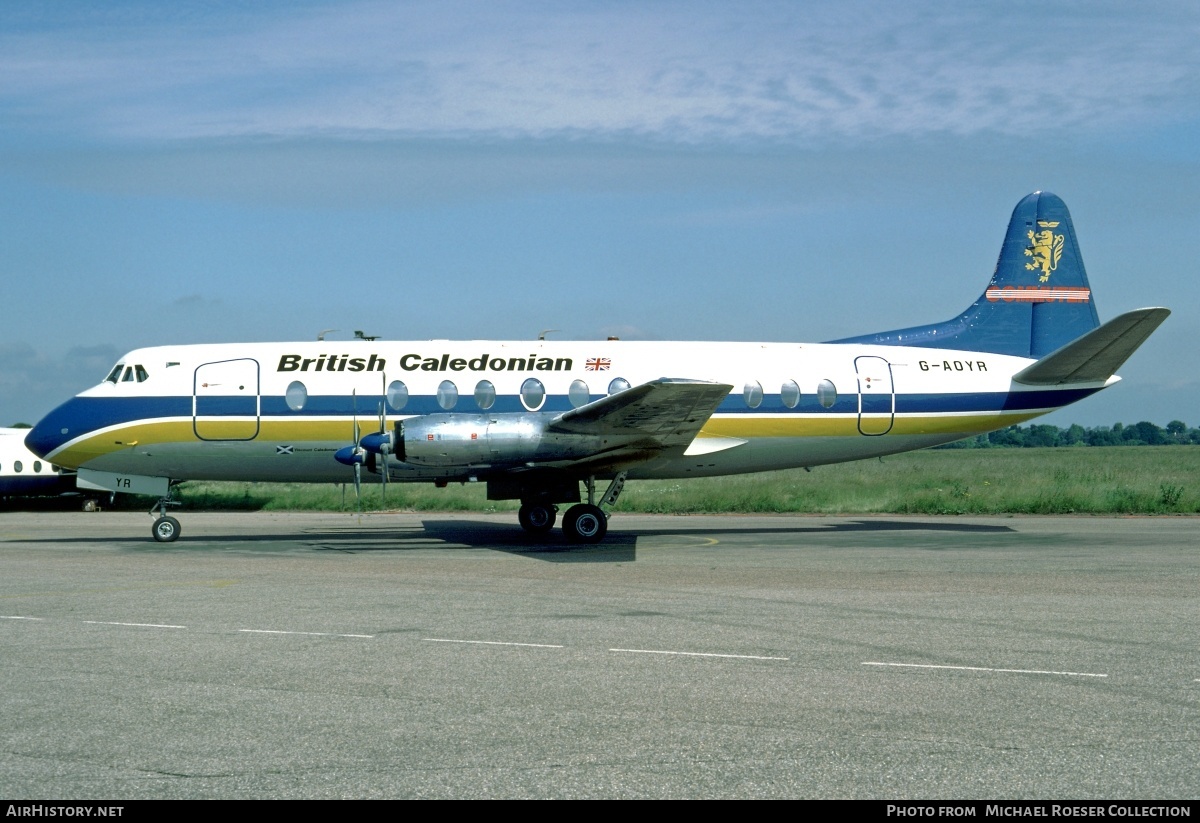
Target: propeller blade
x: 384, y: 470
x: 354, y: 402
x: 357, y: 454
x: 383, y: 403
x: 383, y: 431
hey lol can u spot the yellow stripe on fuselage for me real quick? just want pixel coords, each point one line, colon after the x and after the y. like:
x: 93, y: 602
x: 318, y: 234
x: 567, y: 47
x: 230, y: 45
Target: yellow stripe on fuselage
x: 144, y: 434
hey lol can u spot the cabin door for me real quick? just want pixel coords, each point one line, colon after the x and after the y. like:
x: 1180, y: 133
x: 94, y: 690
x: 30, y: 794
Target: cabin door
x: 876, y: 395
x: 225, y: 400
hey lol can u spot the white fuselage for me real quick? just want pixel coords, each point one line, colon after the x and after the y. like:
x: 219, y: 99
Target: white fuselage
x: 279, y: 411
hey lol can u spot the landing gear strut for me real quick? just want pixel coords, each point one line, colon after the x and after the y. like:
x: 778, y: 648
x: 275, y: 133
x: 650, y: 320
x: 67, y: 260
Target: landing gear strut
x: 587, y: 522
x: 165, y: 528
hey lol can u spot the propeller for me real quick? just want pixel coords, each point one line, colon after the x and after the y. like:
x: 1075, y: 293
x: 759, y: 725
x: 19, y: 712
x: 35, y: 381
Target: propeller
x: 384, y: 447
x: 354, y: 455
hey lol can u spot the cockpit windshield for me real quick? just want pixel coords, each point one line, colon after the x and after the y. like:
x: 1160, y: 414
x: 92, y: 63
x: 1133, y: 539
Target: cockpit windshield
x: 127, y: 374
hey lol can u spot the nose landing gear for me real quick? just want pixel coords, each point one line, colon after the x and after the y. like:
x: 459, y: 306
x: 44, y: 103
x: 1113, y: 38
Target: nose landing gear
x: 166, y: 528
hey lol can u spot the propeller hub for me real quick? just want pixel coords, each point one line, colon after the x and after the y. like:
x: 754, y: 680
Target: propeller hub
x: 349, y: 456
x: 377, y: 443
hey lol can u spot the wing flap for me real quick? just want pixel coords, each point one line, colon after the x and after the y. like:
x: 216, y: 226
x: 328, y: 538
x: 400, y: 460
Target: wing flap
x: 1096, y: 356
x: 666, y: 412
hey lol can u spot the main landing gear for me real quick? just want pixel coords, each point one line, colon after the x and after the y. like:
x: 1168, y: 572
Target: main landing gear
x: 165, y: 528
x: 583, y: 522
x: 537, y: 518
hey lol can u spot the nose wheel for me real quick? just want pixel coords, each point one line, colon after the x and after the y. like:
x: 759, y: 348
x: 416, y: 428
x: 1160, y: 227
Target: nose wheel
x: 165, y: 529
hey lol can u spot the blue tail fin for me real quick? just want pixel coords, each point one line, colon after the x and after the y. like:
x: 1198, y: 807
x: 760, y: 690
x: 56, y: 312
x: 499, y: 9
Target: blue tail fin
x: 1038, y: 301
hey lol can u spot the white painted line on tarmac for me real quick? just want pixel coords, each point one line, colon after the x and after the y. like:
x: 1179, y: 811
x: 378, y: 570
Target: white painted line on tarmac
x: 700, y: 654
x: 310, y: 634
x: 985, y: 669
x: 140, y: 625
x: 18, y: 617
x: 493, y: 643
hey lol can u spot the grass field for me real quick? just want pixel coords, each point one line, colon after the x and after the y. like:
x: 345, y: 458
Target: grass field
x: 1117, y: 480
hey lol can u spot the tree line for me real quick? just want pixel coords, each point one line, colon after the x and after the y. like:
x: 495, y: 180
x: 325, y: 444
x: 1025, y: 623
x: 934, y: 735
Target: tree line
x: 1041, y: 435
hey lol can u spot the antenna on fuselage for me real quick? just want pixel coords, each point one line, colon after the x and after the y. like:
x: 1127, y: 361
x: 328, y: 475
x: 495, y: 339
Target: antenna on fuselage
x: 358, y: 335
x: 544, y: 332
x: 321, y: 335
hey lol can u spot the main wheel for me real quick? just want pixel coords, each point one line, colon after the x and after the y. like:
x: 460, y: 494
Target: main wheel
x: 165, y: 530
x: 537, y: 518
x: 585, y: 523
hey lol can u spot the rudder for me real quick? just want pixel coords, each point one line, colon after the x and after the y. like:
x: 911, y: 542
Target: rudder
x: 1038, y: 299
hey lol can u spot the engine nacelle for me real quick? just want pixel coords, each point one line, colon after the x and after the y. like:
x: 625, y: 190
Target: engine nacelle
x: 485, y: 440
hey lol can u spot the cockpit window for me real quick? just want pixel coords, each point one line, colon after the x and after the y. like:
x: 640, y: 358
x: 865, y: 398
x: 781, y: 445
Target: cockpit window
x: 128, y: 378
x: 141, y: 374
x: 115, y: 374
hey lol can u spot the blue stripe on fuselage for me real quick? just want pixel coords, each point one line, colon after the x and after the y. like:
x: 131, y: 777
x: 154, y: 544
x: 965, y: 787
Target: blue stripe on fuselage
x: 81, y: 415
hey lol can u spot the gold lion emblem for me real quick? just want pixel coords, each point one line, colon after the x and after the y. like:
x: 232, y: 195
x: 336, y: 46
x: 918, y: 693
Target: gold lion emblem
x: 1045, y: 248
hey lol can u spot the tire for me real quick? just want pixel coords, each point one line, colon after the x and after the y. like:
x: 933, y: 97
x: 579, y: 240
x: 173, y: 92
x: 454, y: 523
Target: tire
x: 537, y: 518
x: 585, y: 524
x: 165, y: 530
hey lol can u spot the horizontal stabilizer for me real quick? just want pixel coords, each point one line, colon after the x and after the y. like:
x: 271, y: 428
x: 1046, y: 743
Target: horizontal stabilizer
x: 1097, y: 355
x: 665, y: 411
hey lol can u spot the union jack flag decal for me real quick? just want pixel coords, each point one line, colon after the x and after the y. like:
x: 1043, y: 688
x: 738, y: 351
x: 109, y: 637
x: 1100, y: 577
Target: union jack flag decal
x: 597, y: 364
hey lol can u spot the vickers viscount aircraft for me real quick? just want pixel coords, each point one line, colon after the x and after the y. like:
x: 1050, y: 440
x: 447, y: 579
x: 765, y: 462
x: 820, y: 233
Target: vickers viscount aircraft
x: 535, y: 421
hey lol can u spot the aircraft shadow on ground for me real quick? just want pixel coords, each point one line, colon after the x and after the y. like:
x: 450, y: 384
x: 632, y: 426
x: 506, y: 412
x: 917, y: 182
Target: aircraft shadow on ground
x: 450, y: 535
x: 618, y: 547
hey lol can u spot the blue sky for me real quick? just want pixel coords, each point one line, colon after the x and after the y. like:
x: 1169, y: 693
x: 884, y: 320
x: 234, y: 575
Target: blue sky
x: 212, y: 172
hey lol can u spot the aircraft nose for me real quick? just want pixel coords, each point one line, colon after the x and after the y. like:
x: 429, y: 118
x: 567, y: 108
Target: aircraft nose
x: 52, y: 431
x: 38, y: 441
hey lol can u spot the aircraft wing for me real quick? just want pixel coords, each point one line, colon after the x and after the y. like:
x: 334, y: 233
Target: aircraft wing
x: 1097, y: 355
x: 661, y: 414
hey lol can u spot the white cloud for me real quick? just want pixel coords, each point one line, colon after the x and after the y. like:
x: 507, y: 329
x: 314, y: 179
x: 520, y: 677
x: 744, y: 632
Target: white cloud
x: 676, y: 72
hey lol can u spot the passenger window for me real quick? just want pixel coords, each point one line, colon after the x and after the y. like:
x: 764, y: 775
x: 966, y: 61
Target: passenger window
x: 533, y: 394
x: 753, y: 394
x: 826, y: 393
x: 17, y: 467
x: 790, y: 394
x: 397, y: 395
x: 37, y: 466
x: 447, y: 395
x: 296, y: 395
x: 579, y: 394
x: 485, y: 394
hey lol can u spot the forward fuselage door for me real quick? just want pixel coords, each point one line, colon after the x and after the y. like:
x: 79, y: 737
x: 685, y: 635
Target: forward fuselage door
x: 876, y: 395
x: 225, y: 400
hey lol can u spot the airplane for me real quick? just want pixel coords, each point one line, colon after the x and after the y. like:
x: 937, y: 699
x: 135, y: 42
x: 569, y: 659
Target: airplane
x: 23, y: 474
x: 535, y: 421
